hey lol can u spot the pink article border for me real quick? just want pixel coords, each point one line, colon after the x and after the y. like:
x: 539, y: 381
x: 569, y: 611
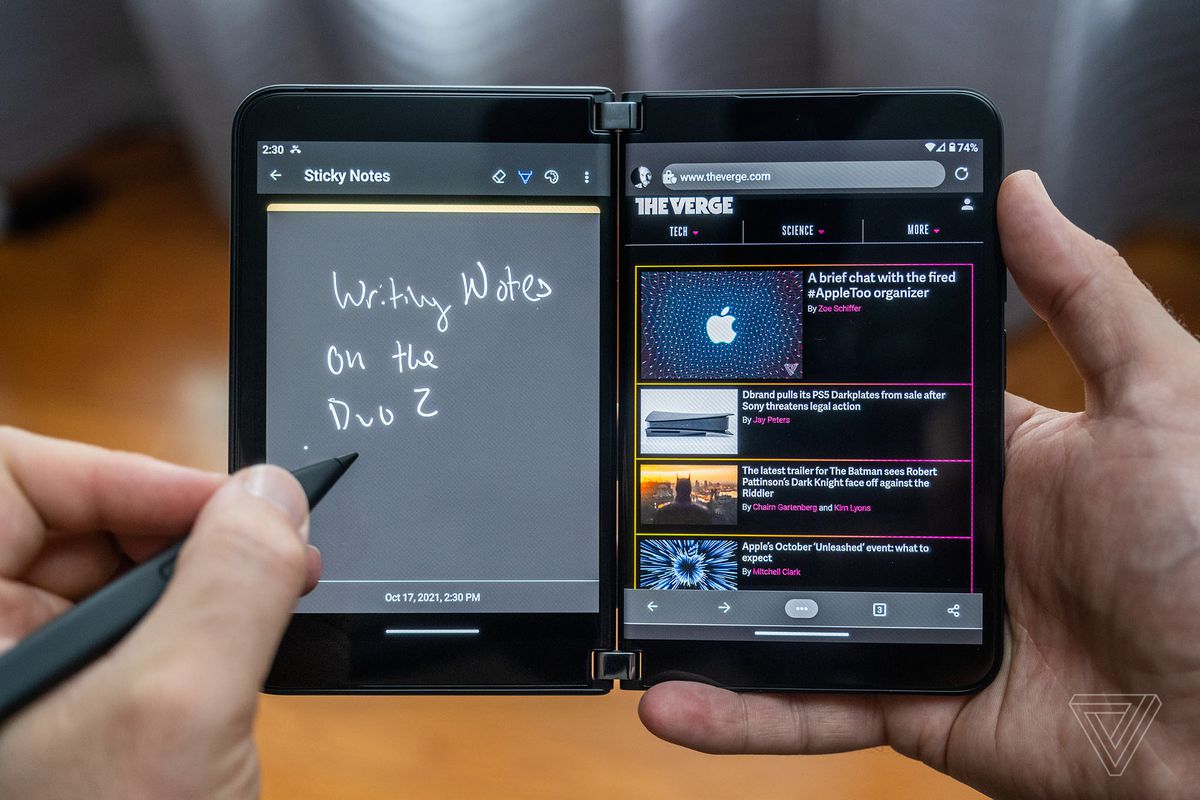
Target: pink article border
x: 971, y: 384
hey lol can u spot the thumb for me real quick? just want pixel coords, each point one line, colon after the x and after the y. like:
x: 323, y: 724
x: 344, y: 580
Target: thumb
x: 235, y: 584
x: 1115, y: 331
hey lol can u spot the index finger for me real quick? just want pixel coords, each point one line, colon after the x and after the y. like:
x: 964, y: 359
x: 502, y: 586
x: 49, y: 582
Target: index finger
x: 53, y: 485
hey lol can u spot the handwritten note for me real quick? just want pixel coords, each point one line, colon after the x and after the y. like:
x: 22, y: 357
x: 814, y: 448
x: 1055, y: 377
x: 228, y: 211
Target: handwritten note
x: 388, y: 295
x: 458, y: 353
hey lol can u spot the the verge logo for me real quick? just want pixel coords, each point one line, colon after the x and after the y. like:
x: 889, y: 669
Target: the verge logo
x: 683, y: 206
x: 1115, y: 725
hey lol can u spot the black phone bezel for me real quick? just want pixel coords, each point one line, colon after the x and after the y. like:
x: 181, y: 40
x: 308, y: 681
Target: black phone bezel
x: 828, y: 666
x: 348, y: 653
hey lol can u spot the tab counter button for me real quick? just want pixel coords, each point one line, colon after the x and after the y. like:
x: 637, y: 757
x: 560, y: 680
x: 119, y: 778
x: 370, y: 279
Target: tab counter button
x: 800, y: 608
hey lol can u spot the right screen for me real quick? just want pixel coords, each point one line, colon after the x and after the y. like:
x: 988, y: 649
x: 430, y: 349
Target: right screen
x: 802, y: 425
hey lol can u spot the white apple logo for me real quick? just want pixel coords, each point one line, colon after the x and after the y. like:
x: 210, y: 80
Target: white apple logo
x: 720, y: 328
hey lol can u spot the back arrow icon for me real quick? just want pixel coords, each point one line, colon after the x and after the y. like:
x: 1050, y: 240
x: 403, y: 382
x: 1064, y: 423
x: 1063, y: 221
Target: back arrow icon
x: 652, y: 605
x: 275, y: 174
x: 724, y: 608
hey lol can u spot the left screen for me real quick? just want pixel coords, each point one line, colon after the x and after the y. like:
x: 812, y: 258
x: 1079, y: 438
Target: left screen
x: 452, y: 341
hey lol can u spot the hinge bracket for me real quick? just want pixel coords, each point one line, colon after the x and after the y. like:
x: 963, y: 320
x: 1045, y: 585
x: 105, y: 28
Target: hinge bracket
x: 615, y: 665
x: 618, y: 116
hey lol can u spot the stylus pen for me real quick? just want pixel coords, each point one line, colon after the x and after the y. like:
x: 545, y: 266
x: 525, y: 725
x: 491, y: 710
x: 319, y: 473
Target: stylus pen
x: 79, y: 636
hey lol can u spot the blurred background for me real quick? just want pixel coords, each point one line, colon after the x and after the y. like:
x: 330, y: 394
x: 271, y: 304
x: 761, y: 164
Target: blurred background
x: 114, y: 167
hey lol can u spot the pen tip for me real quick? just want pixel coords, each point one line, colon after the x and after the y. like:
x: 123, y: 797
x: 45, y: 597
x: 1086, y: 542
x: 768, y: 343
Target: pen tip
x: 347, y: 459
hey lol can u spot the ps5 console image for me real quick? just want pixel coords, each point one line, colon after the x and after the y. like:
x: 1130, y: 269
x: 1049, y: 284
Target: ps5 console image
x: 677, y: 421
x: 674, y: 423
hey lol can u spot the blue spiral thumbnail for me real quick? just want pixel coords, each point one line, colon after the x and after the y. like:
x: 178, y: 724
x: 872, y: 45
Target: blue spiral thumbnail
x: 688, y: 564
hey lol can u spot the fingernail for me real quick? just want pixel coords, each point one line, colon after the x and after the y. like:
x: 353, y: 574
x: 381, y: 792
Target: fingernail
x: 1038, y: 178
x: 279, y: 488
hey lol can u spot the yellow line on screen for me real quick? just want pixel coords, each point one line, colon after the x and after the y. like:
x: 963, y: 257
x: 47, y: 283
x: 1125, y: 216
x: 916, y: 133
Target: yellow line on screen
x: 435, y: 208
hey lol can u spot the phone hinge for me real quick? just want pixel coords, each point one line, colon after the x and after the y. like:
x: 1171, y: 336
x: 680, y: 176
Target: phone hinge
x: 618, y: 116
x: 615, y: 665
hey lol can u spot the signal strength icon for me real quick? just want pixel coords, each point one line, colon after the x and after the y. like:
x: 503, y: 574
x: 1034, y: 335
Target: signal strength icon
x: 930, y: 145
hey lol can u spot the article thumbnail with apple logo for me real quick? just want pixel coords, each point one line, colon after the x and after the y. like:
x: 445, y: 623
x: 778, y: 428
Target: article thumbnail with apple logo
x: 721, y: 324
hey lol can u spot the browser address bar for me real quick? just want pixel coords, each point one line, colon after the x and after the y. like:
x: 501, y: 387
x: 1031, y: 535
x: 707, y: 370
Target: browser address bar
x: 805, y: 175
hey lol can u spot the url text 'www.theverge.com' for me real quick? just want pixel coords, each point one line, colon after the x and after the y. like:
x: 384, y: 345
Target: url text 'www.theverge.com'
x: 725, y: 177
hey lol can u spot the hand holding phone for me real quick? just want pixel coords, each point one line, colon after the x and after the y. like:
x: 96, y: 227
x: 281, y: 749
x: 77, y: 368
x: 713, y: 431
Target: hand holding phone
x: 1074, y: 501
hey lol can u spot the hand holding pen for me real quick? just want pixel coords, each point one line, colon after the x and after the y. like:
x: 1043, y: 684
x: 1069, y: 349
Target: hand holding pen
x: 168, y: 711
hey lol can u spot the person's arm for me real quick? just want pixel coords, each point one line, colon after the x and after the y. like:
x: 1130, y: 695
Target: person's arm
x: 169, y: 711
x: 1102, y: 552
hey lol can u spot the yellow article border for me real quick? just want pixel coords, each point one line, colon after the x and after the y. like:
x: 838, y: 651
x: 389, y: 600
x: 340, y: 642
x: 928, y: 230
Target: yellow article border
x: 637, y: 394
x: 435, y: 208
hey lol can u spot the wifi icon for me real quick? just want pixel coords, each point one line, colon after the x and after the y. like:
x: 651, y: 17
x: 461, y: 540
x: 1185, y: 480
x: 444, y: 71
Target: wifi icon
x: 930, y: 145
